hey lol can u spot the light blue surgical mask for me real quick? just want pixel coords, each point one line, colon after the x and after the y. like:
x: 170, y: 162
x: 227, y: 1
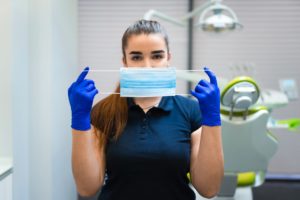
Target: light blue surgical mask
x: 147, y: 82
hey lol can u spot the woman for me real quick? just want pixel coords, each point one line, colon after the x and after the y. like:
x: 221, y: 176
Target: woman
x: 143, y: 147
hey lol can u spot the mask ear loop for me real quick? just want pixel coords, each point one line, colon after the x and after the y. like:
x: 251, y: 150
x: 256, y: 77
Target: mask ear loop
x: 118, y: 70
x: 109, y: 93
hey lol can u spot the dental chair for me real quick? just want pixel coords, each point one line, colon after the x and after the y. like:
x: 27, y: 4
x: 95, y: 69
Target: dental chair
x: 247, y: 144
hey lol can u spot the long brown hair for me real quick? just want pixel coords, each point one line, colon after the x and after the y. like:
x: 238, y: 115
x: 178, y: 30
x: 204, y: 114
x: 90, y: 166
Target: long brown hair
x: 109, y: 116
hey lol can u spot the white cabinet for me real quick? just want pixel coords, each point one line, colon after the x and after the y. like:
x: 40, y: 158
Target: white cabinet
x: 6, y: 187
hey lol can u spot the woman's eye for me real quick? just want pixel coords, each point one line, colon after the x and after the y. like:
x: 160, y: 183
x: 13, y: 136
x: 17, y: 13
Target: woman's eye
x: 135, y: 58
x: 158, y: 56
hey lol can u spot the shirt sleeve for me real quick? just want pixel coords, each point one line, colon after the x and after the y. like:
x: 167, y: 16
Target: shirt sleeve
x: 195, y: 117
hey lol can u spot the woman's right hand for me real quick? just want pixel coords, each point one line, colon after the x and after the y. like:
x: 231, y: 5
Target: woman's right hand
x: 81, y: 95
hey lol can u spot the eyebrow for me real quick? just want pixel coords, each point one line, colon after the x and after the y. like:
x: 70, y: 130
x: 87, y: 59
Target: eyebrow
x: 158, y: 51
x: 152, y: 52
x: 135, y: 52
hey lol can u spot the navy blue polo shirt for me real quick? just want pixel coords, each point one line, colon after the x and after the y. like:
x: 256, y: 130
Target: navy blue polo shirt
x: 151, y: 158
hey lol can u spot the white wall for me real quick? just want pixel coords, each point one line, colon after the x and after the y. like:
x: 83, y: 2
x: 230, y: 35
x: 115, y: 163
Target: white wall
x: 20, y: 99
x: 5, y: 79
x: 44, y: 65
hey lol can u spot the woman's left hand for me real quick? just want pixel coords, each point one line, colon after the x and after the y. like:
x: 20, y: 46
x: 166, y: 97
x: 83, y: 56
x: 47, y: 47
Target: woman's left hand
x: 208, y: 95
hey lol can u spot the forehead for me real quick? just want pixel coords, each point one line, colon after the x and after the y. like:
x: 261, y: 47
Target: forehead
x: 144, y: 42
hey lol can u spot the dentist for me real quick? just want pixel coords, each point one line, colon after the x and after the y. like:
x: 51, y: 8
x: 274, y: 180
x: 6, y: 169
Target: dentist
x: 142, y: 144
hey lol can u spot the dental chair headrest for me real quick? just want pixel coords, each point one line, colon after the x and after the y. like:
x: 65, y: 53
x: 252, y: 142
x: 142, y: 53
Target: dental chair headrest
x: 240, y: 94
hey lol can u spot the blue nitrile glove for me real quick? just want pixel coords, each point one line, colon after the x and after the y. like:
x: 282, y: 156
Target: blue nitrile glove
x: 81, y: 95
x: 208, y: 95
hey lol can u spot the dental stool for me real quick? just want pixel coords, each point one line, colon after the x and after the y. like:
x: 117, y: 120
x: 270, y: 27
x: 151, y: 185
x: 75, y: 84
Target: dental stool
x: 247, y: 144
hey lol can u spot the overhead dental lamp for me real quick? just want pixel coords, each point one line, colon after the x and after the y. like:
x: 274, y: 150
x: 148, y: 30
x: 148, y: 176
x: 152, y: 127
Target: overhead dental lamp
x: 214, y: 17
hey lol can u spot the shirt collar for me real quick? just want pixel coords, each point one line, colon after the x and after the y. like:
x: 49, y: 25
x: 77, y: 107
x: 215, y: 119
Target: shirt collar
x: 165, y: 104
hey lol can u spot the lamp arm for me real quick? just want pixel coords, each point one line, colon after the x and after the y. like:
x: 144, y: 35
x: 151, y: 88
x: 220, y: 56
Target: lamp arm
x: 181, y: 22
x: 197, y: 10
x: 153, y: 13
x: 203, y: 9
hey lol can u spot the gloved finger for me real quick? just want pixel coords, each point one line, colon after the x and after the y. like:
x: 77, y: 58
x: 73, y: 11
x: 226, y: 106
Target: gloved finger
x: 199, y: 96
x: 87, y: 82
x: 204, y: 83
x: 90, y: 87
x: 93, y: 92
x: 211, y: 76
x: 200, y: 89
x: 70, y: 88
x: 83, y: 75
